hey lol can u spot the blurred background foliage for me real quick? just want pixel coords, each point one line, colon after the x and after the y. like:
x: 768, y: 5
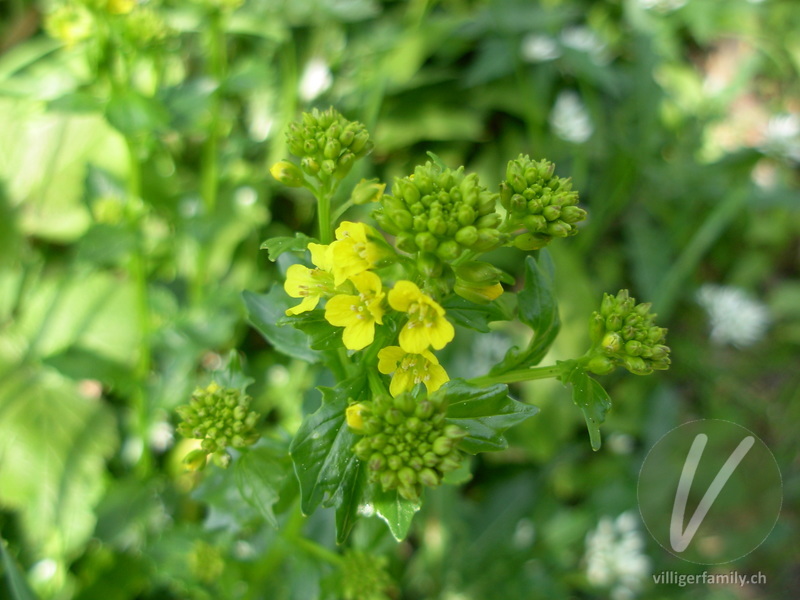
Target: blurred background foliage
x: 135, y: 141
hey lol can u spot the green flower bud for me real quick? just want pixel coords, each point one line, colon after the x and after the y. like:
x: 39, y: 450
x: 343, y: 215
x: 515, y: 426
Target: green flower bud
x: 287, y: 173
x: 623, y: 334
x: 530, y: 241
x: 368, y: 191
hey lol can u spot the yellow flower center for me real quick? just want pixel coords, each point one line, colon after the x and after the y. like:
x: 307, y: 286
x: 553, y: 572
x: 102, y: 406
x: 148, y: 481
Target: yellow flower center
x: 421, y: 314
x: 411, y: 362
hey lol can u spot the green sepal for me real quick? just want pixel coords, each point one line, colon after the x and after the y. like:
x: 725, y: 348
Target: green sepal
x: 538, y: 309
x: 321, y: 334
x: 485, y: 413
x: 589, y: 396
x: 278, y: 245
x: 264, y: 311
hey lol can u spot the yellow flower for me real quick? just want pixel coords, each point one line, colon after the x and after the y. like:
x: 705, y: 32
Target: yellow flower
x: 411, y: 369
x: 353, y: 252
x: 358, y: 314
x: 310, y: 284
x: 426, y: 324
x: 354, y: 416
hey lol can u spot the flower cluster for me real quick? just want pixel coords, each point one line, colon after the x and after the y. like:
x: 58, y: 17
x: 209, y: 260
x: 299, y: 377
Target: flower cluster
x: 406, y: 443
x: 624, y: 333
x: 545, y: 205
x: 364, y: 577
x: 327, y: 145
x: 357, y: 302
x: 441, y: 210
x: 220, y: 417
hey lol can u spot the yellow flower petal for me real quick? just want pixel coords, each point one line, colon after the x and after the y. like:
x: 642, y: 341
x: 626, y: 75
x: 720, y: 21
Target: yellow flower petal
x: 401, y: 382
x: 367, y: 282
x: 356, y: 231
x: 298, y: 281
x: 440, y: 332
x: 389, y: 357
x: 403, y: 294
x: 340, y: 310
x: 308, y: 303
x: 359, y: 334
x: 321, y: 256
x: 438, y: 377
x: 413, y: 339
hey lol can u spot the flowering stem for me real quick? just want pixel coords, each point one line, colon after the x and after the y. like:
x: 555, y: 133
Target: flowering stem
x: 518, y: 375
x: 324, y: 216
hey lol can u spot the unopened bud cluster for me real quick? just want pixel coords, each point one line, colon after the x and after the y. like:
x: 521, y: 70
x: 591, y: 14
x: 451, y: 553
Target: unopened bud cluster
x: 221, y: 417
x: 327, y: 144
x: 542, y: 203
x: 364, y: 577
x: 406, y: 443
x: 442, y: 211
x: 624, y: 333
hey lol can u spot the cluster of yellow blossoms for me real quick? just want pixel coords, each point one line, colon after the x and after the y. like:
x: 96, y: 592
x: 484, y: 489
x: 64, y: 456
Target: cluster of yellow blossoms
x: 357, y: 301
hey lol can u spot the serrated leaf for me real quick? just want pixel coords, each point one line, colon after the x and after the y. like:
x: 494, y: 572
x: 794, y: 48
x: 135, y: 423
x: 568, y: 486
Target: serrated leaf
x: 259, y: 475
x: 590, y: 396
x: 17, y: 584
x: 278, y: 245
x: 395, y: 511
x: 538, y: 309
x: 322, y: 335
x: 322, y: 450
x: 485, y: 413
x: 475, y: 316
x: 264, y: 313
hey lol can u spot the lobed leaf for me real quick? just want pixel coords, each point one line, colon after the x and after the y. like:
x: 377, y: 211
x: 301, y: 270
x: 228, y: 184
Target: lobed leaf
x: 396, y: 511
x: 590, y: 397
x: 485, y: 413
x: 278, y: 245
x: 538, y: 309
x: 265, y: 311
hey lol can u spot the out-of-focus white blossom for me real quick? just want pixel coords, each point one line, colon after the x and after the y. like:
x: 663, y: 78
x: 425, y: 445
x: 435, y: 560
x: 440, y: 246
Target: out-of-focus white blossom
x: 569, y: 118
x: 735, y: 317
x: 663, y: 6
x: 316, y: 79
x: 161, y: 436
x: 615, y: 556
x: 537, y: 47
x: 782, y: 136
x: 583, y: 39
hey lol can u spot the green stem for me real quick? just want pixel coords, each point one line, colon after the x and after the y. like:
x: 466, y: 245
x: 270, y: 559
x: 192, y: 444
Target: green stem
x: 318, y: 551
x: 324, y: 216
x: 517, y: 376
x: 341, y: 210
x: 138, y: 273
x: 217, y: 60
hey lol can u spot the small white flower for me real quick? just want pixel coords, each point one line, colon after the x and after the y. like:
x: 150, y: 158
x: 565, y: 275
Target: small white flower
x: 663, y: 6
x: 735, y: 317
x: 583, y: 39
x: 316, y: 79
x: 539, y: 48
x: 161, y: 436
x: 615, y: 556
x: 569, y: 118
x: 782, y: 136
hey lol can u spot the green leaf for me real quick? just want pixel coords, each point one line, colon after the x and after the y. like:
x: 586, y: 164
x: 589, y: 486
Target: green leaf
x: 475, y: 316
x: 396, y: 511
x: 353, y: 502
x: 485, y: 413
x: 322, y: 450
x: 259, y: 474
x: 538, y: 308
x: 54, y: 443
x: 278, y: 245
x: 265, y: 311
x: 322, y: 335
x: 133, y: 114
x: 17, y: 584
x: 590, y: 397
